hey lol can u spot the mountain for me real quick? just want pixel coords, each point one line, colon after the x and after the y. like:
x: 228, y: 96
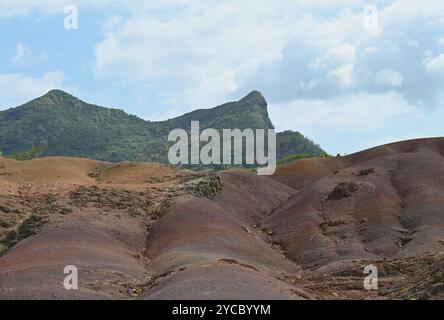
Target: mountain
x: 290, y: 143
x: 63, y: 125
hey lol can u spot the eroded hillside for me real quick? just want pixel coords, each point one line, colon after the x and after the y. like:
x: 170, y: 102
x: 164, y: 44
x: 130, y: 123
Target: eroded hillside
x: 147, y: 231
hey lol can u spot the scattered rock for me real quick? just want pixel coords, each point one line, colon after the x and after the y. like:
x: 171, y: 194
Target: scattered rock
x: 343, y: 190
x: 5, y: 209
x: 29, y: 226
x: 366, y: 172
x: 4, y: 224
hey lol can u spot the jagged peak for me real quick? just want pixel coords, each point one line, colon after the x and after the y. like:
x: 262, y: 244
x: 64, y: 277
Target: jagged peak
x: 256, y: 97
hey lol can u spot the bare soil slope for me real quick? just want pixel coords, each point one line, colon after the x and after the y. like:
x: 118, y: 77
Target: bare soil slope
x: 147, y: 231
x: 382, y: 203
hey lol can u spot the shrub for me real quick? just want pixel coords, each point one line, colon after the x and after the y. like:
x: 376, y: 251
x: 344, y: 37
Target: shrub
x: 27, y: 154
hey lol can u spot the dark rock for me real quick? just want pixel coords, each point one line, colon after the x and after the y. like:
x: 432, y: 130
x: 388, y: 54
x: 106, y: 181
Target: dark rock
x: 343, y: 190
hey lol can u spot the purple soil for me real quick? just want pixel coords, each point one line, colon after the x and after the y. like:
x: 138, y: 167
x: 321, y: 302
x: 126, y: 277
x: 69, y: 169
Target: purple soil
x: 396, y: 213
x: 105, y: 253
x: 306, y: 232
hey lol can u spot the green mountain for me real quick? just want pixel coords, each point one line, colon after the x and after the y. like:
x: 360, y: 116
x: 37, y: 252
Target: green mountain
x: 60, y: 124
x: 294, y: 143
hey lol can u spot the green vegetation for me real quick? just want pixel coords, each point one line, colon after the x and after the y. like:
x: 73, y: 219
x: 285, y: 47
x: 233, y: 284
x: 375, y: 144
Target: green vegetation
x: 294, y: 143
x: 62, y: 125
x: 325, y: 155
x: 27, y: 154
x: 293, y: 157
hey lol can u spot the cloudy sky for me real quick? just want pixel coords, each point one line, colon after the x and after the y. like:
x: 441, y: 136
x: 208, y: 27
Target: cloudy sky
x: 348, y: 74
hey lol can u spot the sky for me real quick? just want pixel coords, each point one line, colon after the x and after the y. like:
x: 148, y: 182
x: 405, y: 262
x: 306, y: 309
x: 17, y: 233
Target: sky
x: 348, y: 74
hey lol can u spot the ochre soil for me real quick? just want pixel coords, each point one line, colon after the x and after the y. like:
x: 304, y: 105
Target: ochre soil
x: 148, y: 231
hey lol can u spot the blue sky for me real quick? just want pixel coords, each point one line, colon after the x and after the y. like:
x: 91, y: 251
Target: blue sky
x: 329, y: 69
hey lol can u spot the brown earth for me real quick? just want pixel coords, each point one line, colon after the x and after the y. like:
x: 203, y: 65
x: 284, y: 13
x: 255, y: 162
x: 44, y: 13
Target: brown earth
x: 148, y: 231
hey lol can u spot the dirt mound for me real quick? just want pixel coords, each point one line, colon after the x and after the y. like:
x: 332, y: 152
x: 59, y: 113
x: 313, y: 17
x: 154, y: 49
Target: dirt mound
x: 382, y: 203
x: 203, y: 245
x: 301, y: 173
x: 56, y: 212
x: 48, y: 170
x: 153, y: 232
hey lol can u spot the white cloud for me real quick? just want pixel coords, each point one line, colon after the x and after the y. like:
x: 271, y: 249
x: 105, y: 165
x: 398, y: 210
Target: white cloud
x: 435, y: 65
x: 21, y: 56
x: 400, y: 12
x: 388, y: 77
x: 370, y: 50
x: 343, y: 75
x: 12, y: 8
x: 111, y: 23
x: 16, y: 89
x: 341, y: 53
x: 353, y: 112
x: 207, y: 51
